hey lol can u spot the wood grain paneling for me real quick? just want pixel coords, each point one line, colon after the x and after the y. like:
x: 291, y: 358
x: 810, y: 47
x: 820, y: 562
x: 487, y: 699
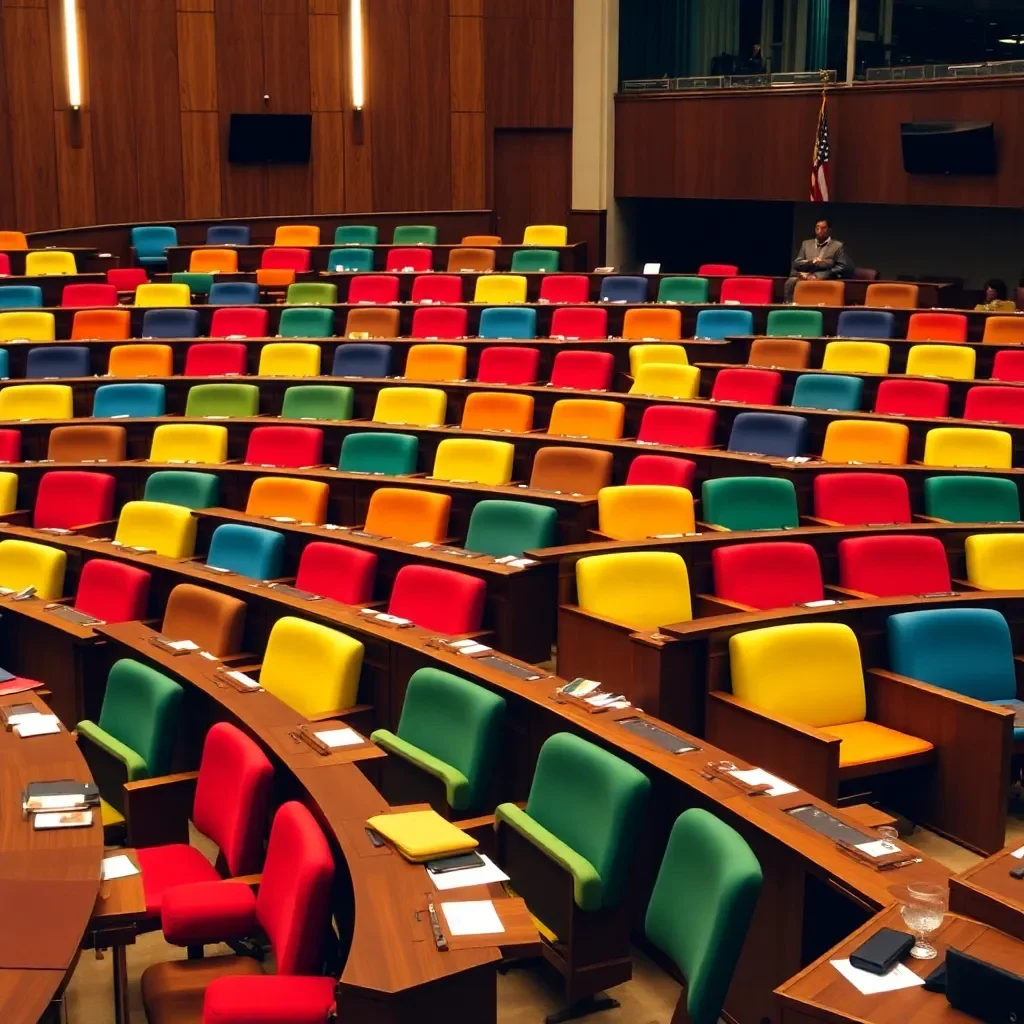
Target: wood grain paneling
x: 327, y: 67
x: 197, y: 61
x: 325, y: 6
x: 328, y: 162
x: 76, y: 184
x: 196, y: 5
x: 467, y: 64
x: 200, y: 163
x: 469, y: 146
x: 467, y: 8
x: 429, y: 82
x: 8, y: 215
x: 532, y: 179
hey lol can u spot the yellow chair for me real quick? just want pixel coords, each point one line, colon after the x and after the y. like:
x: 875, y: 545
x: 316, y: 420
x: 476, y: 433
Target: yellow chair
x: 284, y: 497
x: 415, y: 407
x: 298, y: 235
x: 866, y: 441
x: 8, y: 492
x: 289, y: 359
x: 666, y: 380
x: 407, y: 514
x: 640, y: 589
x: 638, y: 511
x: 168, y: 529
x: 213, y: 261
x: 546, y: 234
x: 856, y: 357
x: 500, y: 289
x: 13, y: 240
x: 652, y: 324
x: 966, y: 446
x: 26, y: 564
x: 27, y: 327
x: 49, y: 261
x: 37, y: 402
x: 642, y: 354
x: 159, y: 296
x: 313, y: 669
x: 140, y: 360
x: 492, y: 410
x: 995, y: 561
x: 436, y: 362
x: 587, y: 417
x: 472, y: 460
x: 188, y: 442
x: 954, y: 361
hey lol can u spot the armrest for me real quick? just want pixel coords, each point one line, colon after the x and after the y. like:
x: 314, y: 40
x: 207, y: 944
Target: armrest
x: 281, y: 998
x: 105, y: 528
x: 847, y: 592
x: 1018, y: 667
x: 20, y: 517
x: 912, y: 706
x: 712, y: 528
x: 326, y: 716
x: 919, y: 518
x: 965, y: 585
x: 706, y: 604
x: 841, y: 593
x: 203, y: 912
x: 817, y: 521
x: 157, y: 810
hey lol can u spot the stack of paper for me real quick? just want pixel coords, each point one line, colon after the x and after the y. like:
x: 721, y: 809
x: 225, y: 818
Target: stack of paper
x: 36, y: 725
x: 473, y: 917
x: 485, y: 874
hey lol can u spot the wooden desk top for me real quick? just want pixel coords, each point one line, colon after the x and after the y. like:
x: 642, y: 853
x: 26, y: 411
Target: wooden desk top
x: 988, y: 893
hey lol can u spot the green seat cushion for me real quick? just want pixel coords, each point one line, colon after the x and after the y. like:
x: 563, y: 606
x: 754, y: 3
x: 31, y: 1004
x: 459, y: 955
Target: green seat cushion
x: 456, y: 785
x: 136, y: 767
x: 317, y: 402
x: 414, y: 234
x: 304, y: 322
x: 312, y: 293
x: 750, y: 503
x: 972, y: 499
x: 384, y: 453
x: 828, y: 391
x: 499, y: 528
x: 350, y: 260
x: 223, y: 400
x: 683, y: 289
x: 795, y: 323
x: 535, y: 261
x: 355, y: 234
x: 198, y: 283
x: 186, y: 487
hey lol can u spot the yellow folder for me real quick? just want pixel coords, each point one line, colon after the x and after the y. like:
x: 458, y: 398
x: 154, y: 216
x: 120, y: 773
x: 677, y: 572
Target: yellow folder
x: 422, y: 835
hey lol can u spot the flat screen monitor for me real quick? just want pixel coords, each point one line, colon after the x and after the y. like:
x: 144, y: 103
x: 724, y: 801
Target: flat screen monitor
x: 269, y: 138
x: 948, y: 147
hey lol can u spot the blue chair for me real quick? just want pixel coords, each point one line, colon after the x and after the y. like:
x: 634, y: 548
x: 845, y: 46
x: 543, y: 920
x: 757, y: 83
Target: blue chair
x: 234, y: 293
x: 170, y: 323
x: 828, y: 391
x: 350, y: 259
x: 5, y: 365
x: 129, y: 400
x: 21, y: 296
x: 248, y: 550
x: 362, y: 360
x: 768, y: 433
x: 866, y: 323
x: 508, y: 322
x: 150, y: 244
x: 228, y: 234
x: 719, y: 324
x: 620, y: 288
x: 58, y: 361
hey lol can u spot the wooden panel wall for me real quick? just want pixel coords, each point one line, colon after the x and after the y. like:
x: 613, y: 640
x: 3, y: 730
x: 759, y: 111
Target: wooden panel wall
x: 162, y: 77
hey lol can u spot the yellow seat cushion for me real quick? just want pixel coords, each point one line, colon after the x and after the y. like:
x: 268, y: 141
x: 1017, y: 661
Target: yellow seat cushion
x: 8, y: 493
x: 666, y: 380
x: 474, y: 460
x: 869, y: 743
x: 418, y: 407
x: 637, y: 511
x: 660, y: 352
x: 169, y: 530
x: 24, y: 563
x: 995, y: 561
x: 856, y: 357
x: 640, y: 589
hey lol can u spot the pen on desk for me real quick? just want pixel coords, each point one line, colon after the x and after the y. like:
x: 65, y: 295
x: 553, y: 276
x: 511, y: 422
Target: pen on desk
x: 435, y: 926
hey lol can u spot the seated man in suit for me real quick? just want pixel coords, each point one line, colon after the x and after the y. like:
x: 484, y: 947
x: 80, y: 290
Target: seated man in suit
x: 820, y: 256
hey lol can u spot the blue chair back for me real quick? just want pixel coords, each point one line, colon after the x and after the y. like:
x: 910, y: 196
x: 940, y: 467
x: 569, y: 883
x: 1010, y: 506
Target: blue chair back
x: 129, y: 400
x: 620, y: 288
x: 350, y: 259
x: 58, y: 361
x: 234, y: 293
x: 507, y: 322
x: 719, y: 324
x: 228, y: 234
x: 769, y: 433
x: 21, y: 296
x: 361, y: 360
x: 170, y: 323
x: 866, y: 323
x: 247, y: 550
x: 5, y: 366
x: 150, y: 242
x: 828, y: 391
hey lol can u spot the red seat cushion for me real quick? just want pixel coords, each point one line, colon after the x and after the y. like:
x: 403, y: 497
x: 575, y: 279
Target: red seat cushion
x: 440, y: 322
x: 213, y: 910
x: 283, y: 258
x: 237, y: 320
x: 746, y: 289
x: 752, y: 387
x: 70, y: 498
x: 585, y: 371
x: 996, y: 404
x: 214, y: 359
x: 680, y: 425
x: 565, y: 288
x: 507, y: 364
x: 373, y: 288
x: 127, y: 279
x: 772, y: 574
x: 1008, y: 364
x: 81, y: 295
x: 269, y: 1000
x: 345, y: 574
x: 419, y: 258
x: 164, y: 867
x: 579, y: 323
x: 437, y: 288
x: 855, y: 498
x: 441, y: 599
x: 285, y: 446
x: 5, y: 265
x: 926, y: 398
x: 10, y: 445
x: 112, y: 591
x: 664, y: 470
x: 894, y: 566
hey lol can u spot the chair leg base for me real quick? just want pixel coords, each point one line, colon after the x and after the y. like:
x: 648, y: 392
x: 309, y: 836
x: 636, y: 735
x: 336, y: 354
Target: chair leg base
x: 582, y: 1007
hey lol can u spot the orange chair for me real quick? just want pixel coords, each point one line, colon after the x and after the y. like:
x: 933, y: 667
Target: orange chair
x: 213, y: 261
x: 1007, y: 330
x: 300, y: 235
x: 435, y: 362
x: 470, y: 259
x: 286, y: 498
x: 275, y: 277
x: 141, y: 361
x: 937, y: 327
x: 571, y: 470
x: 653, y: 324
x: 13, y: 240
x: 815, y: 292
x: 481, y: 240
x: 371, y: 323
x: 892, y: 295
x: 493, y: 410
x: 780, y: 353
x: 408, y: 515
x: 587, y: 417
x: 101, y: 325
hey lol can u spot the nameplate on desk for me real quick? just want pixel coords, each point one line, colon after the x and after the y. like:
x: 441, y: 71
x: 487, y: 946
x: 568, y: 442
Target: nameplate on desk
x: 55, y: 531
x: 385, y: 619
x: 368, y: 536
x: 236, y: 680
x: 289, y: 591
x: 216, y: 569
x: 458, y: 552
x: 528, y: 673
x: 175, y: 647
x: 62, y: 611
x: 655, y: 734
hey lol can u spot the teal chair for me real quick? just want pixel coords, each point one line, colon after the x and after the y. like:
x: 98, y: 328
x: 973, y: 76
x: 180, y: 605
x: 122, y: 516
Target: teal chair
x: 248, y: 550
x: 683, y: 289
x: 355, y: 234
x: 750, y: 503
x: 828, y: 391
x: 701, y: 907
x: 150, y: 242
x: 21, y: 296
x: 222, y: 400
x: 448, y: 739
x: 972, y: 499
x: 568, y: 854
x: 508, y: 322
x: 312, y: 293
x: 317, y: 402
x: 183, y: 487
x: 306, y: 322
x: 499, y: 528
x: 415, y: 234
x: 381, y: 454
x: 527, y: 261
x: 340, y: 260
x: 198, y: 284
x: 795, y: 323
x: 121, y: 400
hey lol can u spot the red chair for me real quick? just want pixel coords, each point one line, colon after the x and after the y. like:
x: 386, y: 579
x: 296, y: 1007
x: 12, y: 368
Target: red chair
x: 508, y: 364
x: 746, y: 290
x: 441, y: 599
x: 751, y: 387
x: 70, y: 498
x: 419, y: 259
x: 665, y: 470
x: 285, y: 446
x: 585, y: 371
x: 84, y: 295
x: 127, y: 279
x: 717, y: 270
x: 1008, y: 365
x: 373, y: 288
x: 442, y: 322
x: 5, y: 265
x: 680, y: 425
x: 768, y: 574
x: 342, y: 573
x: 10, y: 445
x: 853, y: 499
x: 280, y: 258
x: 214, y: 359
x: 925, y: 398
x: 573, y: 322
x: 995, y: 404
x: 894, y: 566
x: 112, y: 592
x: 437, y: 288
x: 565, y: 288
x: 239, y: 322
x: 937, y: 327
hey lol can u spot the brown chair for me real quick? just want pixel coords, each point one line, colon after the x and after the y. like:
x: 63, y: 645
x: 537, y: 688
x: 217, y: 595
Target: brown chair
x: 891, y: 294
x: 374, y: 323
x: 481, y: 240
x: 214, y: 621
x: 815, y: 292
x: 90, y: 443
x: 780, y: 353
x: 571, y: 470
x: 476, y: 260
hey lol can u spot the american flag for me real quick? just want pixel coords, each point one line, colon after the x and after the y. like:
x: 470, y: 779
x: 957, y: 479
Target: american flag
x: 819, y: 163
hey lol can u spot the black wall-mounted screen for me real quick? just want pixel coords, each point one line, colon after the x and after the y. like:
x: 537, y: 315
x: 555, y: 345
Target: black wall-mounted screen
x: 948, y: 147
x: 269, y: 138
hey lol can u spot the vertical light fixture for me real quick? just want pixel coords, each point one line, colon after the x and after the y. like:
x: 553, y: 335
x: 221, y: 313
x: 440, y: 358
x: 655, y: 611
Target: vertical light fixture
x: 72, y: 66
x: 356, y: 58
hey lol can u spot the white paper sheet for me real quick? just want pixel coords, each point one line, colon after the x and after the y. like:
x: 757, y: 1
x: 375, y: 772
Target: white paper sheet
x: 37, y: 725
x: 241, y: 677
x: 878, y: 848
x: 870, y: 984
x: 1019, y: 854
x: 472, y: 917
x: 759, y: 777
x: 335, y: 738
x: 119, y: 866
x: 62, y: 819
x: 183, y: 645
x: 470, y: 649
x: 485, y: 874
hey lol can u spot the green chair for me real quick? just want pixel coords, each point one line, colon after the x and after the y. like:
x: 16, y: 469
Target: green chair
x: 136, y: 732
x: 355, y: 234
x: 972, y: 499
x: 306, y: 322
x: 185, y: 487
x: 350, y: 259
x: 382, y: 454
x: 198, y: 284
x: 750, y: 503
x: 449, y: 734
x: 568, y: 855
x: 683, y: 289
x: 701, y: 907
x: 795, y: 323
x: 317, y: 402
x: 500, y: 528
x: 223, y: 400
x: 414, y: 234
x: 828, y: 391
x: 312, y: 293
x: 543, y: 261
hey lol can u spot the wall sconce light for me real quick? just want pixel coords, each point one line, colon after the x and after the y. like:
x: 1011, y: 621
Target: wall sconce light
x: 357, y: 62
x: 72, y: 65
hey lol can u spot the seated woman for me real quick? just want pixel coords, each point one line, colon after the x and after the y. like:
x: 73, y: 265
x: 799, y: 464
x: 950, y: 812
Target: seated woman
x: 995, y: 297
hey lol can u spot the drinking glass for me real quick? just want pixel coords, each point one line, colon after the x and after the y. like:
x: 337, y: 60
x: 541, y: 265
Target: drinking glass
x: 889, y: 835
x: 922, y: 911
